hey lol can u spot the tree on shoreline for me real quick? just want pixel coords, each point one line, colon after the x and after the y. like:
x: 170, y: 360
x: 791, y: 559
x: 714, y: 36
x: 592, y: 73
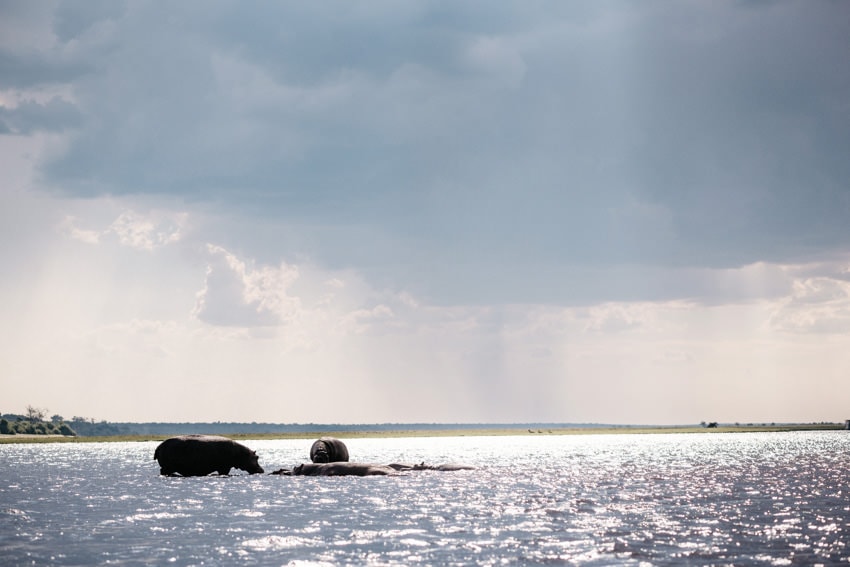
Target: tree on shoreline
x: 33, y: 423
x: 35, y: 415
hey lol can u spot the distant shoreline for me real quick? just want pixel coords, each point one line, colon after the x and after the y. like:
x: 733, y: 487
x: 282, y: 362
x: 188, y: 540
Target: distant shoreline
x: 447, y: 432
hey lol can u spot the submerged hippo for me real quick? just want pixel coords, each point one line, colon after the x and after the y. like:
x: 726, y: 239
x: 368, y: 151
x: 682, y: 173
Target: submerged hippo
x: 328, y: 450
x: 342, y: 469
x: 365, y: 469
x: 200, y: 455
x: 424, y: 467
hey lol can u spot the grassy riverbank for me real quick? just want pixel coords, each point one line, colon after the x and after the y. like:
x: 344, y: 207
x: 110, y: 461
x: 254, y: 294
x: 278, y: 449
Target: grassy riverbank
x: 498, y: 431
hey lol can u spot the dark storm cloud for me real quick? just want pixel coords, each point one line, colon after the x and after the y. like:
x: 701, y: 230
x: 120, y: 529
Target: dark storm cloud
x: 55, y: 115
x: 493, y: 144
x: 746, y: 146
x: 74, y: 19
x: 29, y: 55
x: 26, y: 70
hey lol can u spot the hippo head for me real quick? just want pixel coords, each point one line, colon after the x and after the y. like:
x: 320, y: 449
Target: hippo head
x: 252, y: 464
x: 298, y: 470
x: 320, y: 453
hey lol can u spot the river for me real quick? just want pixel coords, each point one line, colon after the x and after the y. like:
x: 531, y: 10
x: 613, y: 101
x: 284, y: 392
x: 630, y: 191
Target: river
x: 630, y: 499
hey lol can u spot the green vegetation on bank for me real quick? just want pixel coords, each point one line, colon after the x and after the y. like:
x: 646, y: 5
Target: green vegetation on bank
x: 483, y: 430
x: 33, y: 427
x: 34, y: 423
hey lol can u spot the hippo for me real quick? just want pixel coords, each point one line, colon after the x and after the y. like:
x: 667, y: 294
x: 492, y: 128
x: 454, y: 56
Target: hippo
x: 365, y: 469
x: 200, y: 455
x: 329, y: 450
x: 342, y: 469
x: 453, y: 467
x: 423, y: 467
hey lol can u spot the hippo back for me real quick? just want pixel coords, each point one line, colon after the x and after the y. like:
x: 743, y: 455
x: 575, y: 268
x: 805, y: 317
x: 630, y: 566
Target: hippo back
x: 342, y: 469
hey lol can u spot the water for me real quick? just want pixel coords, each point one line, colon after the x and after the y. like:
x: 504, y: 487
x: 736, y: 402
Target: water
x: 698, y: 499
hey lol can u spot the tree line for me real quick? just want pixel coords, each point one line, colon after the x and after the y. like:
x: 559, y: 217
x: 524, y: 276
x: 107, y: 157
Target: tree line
x: 34, y: 422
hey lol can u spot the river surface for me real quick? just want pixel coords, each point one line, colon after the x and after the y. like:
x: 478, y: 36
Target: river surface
x: 672, y: 499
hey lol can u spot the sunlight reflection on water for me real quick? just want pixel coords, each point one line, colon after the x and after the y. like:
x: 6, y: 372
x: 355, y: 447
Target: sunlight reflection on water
x: 701, y: 499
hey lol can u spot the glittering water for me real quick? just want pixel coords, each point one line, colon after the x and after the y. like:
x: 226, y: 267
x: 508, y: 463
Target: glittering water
x: 698, y: 499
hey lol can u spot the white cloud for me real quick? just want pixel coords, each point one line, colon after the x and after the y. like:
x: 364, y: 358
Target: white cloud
x: 362, y: 320
x: 143, y: 231
x: 816, y: 305
x: 265, y: 337
x: 69, y: 228
x: 149, y: 231
x: 239, y: 294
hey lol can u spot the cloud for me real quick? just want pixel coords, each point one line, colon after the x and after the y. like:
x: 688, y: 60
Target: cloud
x: 819, y: 305
x: 434, y: 211
x: 613, y: 318
x: 362, y: 320
x: 148, y: 232
x: 143, y: 231
x: 276, y: 332
x: 30, y: 116
x: 496, y: 57
x: 68, y: 227
x: 240, y: 295
x: 32, y: 54
x: 637, y: 135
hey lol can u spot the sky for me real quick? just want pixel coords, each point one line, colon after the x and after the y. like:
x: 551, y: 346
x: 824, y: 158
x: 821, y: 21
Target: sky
x: 443, y: 212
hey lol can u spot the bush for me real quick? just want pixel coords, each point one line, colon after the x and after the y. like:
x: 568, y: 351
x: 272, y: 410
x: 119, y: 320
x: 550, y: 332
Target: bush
x: 11, y: 424
x: 64, y: 429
